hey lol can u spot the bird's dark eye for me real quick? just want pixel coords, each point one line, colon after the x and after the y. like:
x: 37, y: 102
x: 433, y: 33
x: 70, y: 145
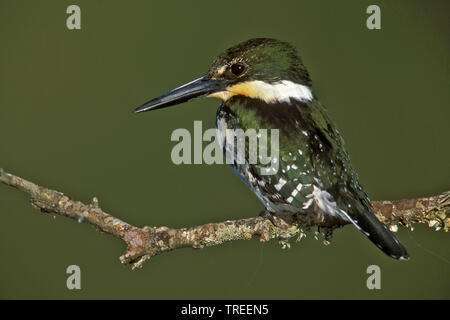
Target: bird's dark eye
x: 237, y: 69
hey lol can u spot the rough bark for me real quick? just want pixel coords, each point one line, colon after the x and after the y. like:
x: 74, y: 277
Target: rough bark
x: 144, y: 243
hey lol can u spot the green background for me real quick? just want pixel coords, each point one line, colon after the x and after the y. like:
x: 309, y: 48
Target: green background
x: 65, y: 122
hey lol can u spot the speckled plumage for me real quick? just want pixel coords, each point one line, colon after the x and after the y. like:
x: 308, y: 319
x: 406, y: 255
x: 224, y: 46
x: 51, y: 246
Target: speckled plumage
x: 312, y: 153
x: 264, y: 85
x: 315, y: 171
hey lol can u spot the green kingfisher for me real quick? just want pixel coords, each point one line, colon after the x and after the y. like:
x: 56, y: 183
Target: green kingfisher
x: 263, y: 84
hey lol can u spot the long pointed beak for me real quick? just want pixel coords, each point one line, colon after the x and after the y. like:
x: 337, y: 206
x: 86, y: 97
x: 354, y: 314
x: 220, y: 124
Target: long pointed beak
x: 195, y: 89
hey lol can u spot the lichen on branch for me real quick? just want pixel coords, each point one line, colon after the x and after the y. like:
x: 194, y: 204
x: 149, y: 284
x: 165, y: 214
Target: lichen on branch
x: 146, y: 242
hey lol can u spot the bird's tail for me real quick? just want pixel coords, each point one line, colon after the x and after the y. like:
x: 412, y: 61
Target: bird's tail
x: 379, y: 234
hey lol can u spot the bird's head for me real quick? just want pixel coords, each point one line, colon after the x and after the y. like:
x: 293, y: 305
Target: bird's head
x: 259, y: 68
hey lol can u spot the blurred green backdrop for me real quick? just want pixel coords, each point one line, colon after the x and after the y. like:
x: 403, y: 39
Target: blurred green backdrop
x: 65, y: 102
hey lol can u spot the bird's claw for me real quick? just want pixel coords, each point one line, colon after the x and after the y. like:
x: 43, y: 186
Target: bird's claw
x: 267, y: 215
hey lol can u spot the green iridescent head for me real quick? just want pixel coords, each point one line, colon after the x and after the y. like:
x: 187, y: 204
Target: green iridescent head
x: 263, y: 59
x: 248, y: 69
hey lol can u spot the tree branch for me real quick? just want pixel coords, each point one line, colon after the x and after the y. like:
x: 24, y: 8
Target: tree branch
x: 144, y: 243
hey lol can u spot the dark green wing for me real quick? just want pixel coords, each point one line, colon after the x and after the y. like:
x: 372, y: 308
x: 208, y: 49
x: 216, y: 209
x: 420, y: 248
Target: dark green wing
x: 312, y: 155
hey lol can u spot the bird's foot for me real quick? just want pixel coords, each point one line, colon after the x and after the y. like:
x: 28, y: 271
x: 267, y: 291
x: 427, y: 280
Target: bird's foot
x: 267, y: 215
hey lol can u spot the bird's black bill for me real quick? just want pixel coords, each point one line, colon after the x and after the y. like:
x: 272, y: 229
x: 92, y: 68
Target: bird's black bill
x: 194, y: 89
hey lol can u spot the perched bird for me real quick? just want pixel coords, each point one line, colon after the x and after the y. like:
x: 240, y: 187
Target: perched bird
x: 263, y: 84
